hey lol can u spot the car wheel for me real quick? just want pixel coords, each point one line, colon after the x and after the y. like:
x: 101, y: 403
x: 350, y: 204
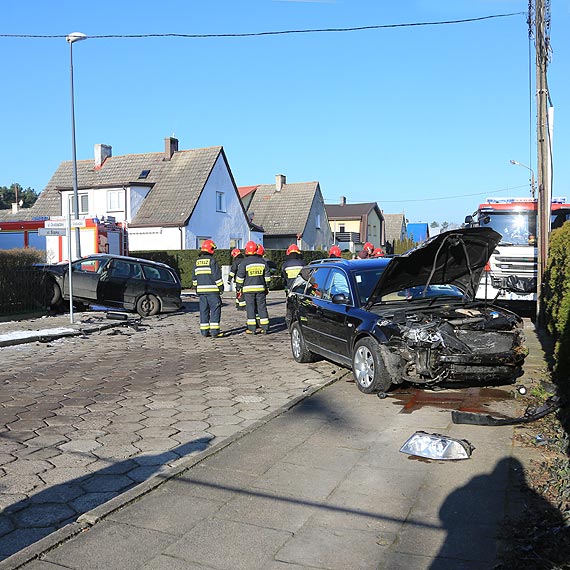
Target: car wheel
x: 148, y: 305
x: 53, y: 294
x: 298, y: 346
x: 368, y: 368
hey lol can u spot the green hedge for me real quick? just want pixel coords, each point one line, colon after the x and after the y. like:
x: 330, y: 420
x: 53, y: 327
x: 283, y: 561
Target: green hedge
x: 556, y: 297
x: 22, y: 288
x: 183, y: 261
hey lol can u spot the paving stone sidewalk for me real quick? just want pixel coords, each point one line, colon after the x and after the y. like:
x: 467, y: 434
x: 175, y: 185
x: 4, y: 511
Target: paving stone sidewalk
x: 85, y: 418
x: 320, y: 487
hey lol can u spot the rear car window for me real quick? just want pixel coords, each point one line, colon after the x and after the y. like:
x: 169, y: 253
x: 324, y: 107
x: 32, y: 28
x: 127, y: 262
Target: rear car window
x: 158, y: 274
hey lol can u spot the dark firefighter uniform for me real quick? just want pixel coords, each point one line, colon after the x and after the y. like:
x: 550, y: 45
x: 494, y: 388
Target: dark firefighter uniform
x: 209, y: 285
x: 253, y: 279
x: 240, y: 301
x: 290, y: 269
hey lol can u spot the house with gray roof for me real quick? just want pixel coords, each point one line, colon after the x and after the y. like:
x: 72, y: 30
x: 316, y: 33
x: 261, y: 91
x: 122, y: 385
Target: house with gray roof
x: 396, y: 229
x: 353, y: 225
x: 289, y: 213
x: 169, y: 200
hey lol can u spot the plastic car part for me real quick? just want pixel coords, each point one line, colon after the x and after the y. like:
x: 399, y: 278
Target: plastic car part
x: 437, y: 446
x: 532, y: 414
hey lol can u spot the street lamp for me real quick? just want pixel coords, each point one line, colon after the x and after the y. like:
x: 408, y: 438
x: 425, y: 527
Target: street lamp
x: 71, y: 39
x: 531, y: 174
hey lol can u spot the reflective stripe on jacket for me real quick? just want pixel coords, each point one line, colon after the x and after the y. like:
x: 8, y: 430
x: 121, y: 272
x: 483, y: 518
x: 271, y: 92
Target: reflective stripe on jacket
x: 207, y: 275
x: 253, y: 275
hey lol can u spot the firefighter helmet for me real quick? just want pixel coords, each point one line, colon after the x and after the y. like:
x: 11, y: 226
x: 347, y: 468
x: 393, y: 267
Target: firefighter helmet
x: 235, y: 252
x: 260, y: 250
x: 334, y: 251
x: 250, y: 248
x: 368, y: 247
x: 293, y: 249
x: 378, y: 252
x: 208, y: 246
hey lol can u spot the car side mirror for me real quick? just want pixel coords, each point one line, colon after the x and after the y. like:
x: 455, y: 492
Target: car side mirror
x: 340, y: 299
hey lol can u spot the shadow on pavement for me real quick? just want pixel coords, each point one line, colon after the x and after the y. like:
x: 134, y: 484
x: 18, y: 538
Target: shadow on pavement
x: 474, y: 503
x: 33, y: 518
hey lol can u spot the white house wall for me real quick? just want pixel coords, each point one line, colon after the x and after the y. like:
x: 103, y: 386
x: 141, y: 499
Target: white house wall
x: 221, y: 227
x: 155, y: 239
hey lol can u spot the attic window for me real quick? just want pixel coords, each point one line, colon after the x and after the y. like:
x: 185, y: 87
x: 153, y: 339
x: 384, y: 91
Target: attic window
x: 144, y: 174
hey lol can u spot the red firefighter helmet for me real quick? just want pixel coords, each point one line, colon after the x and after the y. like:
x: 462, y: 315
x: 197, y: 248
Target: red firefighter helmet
x: 235, y: 252
x: 334, y: 251
x: 250, y: 248
x: 260, y: 250
x: 368, y: 247
x: 293, y: 249
x: 208, y: 246
x: 378, y: 252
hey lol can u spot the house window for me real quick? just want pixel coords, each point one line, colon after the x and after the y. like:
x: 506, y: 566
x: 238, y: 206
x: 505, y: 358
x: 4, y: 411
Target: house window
x: 341, y: 228
x: 200, y: 240
x: 83, y: 204
x: 318, y: 222
x: 235, y: 242
x: 220, y: 202
x: 115, y: 201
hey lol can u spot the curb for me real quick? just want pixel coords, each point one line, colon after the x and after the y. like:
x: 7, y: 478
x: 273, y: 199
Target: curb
x: 87, y: 520
x: 38, y: 336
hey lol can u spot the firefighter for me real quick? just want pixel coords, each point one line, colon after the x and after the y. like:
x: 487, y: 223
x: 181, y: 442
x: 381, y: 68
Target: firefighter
x: 271, y: 264
x: 209, y: 285
x: 252, y: 279
x: 366, y: 251
x: 237, y: 258
x: 378, y: 252
x: 334, y: 252
x: 291, y: 266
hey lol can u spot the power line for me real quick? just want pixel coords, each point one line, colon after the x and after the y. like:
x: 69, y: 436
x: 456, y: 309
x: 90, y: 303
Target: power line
x: 447, y: 197
x: 274, y: 33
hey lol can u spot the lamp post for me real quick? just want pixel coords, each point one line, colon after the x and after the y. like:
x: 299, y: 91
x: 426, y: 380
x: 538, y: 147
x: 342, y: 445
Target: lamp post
x: 532, y: 189
x: 71, y: 39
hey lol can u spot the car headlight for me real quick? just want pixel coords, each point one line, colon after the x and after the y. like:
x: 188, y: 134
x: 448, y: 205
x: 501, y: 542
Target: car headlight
x: 437, y: 446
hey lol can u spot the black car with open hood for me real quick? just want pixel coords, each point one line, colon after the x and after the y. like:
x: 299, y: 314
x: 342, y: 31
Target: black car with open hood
x: 410, y: 318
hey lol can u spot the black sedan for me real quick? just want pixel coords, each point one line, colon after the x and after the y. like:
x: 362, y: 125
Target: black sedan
x: 140, y: 285
x: 411, y: 318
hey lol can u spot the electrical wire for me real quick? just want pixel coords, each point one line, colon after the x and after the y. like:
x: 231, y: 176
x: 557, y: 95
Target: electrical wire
x: 445, y: 197
x: 273, y: 33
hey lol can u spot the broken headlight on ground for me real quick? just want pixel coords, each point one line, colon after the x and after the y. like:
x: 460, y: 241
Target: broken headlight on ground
x: 437, y: 446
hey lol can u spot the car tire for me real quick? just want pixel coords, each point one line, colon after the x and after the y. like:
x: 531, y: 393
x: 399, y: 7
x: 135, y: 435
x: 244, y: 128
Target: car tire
x: 54, y: 298
x: 368, y: 368
x: 148, y: 305
x: 298, y: 347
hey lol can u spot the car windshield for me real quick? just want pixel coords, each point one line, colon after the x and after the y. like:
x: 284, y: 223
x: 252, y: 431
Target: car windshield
x: 429, y: 292
x: 517, y: 228
x: 366, y: 281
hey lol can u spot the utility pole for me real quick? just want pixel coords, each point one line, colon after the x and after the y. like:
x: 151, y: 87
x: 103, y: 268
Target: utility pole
x: 542, y: 43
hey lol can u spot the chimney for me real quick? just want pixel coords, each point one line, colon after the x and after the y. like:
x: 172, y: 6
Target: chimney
x: 343, y: 200
x: 170, y: 147
x: 102, y: 152
x: 15, y: 207
x: 280, y: 181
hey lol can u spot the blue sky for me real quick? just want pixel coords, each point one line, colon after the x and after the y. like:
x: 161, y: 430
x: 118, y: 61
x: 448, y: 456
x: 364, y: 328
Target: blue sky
x: 422, y: 120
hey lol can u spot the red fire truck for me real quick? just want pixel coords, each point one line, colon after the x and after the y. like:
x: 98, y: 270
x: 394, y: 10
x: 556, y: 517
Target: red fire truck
x: 511, y: 272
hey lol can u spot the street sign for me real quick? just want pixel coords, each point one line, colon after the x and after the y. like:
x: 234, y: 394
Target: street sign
x: 55, y: 224
x: 78, y: 223
x: 52, y: 231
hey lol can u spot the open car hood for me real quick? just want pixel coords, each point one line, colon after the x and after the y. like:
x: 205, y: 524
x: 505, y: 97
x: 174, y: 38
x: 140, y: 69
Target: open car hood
x: 456, y: 257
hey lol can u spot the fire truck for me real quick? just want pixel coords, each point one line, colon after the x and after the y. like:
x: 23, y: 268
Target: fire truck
x: 511, y: 272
